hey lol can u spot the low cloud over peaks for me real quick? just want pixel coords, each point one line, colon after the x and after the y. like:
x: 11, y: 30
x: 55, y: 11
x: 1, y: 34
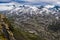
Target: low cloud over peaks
x: 33, y: 1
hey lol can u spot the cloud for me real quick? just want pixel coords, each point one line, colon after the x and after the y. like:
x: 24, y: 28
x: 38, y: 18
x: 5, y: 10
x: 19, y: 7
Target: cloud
x: 42, y: 0
x: 4, y: 0
x: 3, y: 8
x: 55, y: 2
x: 33, y: 1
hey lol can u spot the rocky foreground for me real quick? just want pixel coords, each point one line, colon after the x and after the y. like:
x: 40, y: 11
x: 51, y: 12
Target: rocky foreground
x: 5, y: 29
x: 9, y: 32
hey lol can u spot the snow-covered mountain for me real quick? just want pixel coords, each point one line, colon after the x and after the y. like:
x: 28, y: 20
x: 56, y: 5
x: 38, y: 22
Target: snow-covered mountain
x: 34, y: 19
x: 12, y: 5
x: 20, y: 9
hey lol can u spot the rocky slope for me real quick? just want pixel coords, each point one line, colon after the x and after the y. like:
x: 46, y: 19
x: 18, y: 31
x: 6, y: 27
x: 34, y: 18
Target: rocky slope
x: 5, y: 29
x: 35, y: 23
x: 9, y: 32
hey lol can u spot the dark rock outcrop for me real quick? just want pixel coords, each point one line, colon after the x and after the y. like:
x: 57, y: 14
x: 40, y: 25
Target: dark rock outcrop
x: 5, y: 32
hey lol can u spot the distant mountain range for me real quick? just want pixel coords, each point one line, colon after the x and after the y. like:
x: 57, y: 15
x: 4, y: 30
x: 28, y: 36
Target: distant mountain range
x: 12, y: 5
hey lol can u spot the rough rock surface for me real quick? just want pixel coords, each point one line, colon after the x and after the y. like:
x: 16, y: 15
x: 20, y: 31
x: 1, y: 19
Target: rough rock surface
x: 5, y: 32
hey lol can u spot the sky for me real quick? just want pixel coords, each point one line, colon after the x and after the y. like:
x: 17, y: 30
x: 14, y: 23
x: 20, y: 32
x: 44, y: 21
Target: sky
x: 32, y: 1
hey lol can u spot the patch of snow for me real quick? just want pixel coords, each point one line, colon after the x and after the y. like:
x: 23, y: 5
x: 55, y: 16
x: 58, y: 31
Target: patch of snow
x: 34, y: 8
x: 57, y: 17
x: 49, y: 6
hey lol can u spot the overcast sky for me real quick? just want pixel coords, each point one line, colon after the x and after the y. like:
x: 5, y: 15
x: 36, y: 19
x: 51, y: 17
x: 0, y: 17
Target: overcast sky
x: 42, y: 0
x: 34, y: 1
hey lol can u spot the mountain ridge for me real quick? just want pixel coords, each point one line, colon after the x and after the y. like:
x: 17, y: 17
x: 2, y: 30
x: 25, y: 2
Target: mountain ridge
x: 6, y: 33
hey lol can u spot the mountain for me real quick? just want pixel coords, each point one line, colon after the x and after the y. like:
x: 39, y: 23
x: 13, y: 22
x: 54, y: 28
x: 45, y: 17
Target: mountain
x: 5, y: 29
x: 35, y: 23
